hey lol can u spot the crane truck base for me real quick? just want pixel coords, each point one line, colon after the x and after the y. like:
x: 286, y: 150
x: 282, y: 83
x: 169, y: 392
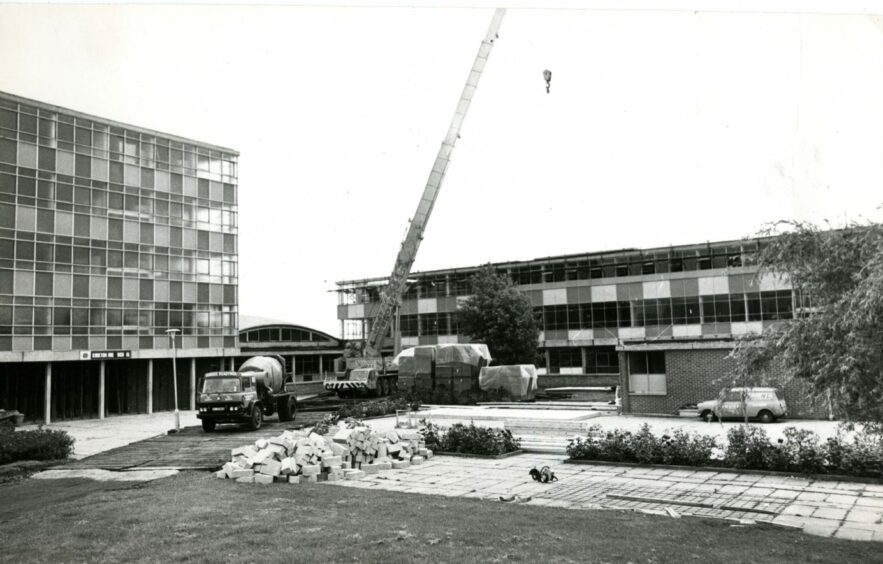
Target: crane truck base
x: 363, y: 376
x: 257, y: 390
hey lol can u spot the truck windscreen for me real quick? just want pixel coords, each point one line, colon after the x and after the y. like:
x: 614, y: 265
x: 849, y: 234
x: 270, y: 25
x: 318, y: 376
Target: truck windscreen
x: 220, y: 386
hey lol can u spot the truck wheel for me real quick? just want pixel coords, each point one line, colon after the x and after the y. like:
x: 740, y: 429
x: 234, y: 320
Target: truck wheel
x: 257, y: 418
x: 285, y: 407
x: 208, y: 426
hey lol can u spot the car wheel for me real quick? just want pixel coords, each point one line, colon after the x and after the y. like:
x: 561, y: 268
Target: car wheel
x: 708, y: 416
x: 208, y: 426
x: 257, y: 418
x: 766, y: 416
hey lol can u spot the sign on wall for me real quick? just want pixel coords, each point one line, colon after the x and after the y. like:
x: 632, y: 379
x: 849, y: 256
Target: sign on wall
x: 104, y: 355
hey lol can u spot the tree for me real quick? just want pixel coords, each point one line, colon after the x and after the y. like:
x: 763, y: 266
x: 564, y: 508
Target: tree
x: 835, y: 341
x: 500, y: 316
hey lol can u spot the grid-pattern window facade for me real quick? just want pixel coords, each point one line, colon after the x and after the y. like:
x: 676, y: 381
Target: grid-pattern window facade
x: 109, y: 235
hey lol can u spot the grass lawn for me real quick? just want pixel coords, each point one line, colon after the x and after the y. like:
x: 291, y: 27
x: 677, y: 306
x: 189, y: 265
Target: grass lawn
x: 194, y: 516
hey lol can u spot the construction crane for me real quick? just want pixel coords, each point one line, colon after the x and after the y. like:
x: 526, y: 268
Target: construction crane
x: 391, y: 295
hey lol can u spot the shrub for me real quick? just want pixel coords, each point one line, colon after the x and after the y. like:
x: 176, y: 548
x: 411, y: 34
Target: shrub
x: 42, y: 444
x: 800, y: 451
x: 432, y: 434
x: 862, y: 457
x: 748, y: 447
x: 469, y: 439
x: 643, y: 446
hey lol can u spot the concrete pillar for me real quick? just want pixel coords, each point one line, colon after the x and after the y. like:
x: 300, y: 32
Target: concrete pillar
x: 624, y: 381
x: 232, y: 364
x: 321, y: 367
x: 150, y: 386
x: 192, y: 384
x: 101, y: 390
x: 47, y: 395
x: 585, y: 359
x: 548, y: 361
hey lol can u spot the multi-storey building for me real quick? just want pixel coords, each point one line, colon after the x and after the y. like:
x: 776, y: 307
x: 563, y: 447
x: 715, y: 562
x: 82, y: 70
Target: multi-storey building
x: 110, y: 234
x: 660, y: 322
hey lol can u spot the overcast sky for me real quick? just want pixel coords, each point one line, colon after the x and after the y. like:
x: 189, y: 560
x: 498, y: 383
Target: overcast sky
x: 662, y: 127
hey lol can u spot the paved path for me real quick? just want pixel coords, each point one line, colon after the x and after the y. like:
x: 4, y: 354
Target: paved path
x: 840, y: 509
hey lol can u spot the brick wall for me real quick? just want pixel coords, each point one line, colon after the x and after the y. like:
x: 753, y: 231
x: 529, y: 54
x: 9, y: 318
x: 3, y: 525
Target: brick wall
x: 699, y: 375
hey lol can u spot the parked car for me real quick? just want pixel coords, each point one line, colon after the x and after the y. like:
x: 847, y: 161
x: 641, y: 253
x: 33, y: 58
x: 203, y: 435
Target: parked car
x: 766, y: 404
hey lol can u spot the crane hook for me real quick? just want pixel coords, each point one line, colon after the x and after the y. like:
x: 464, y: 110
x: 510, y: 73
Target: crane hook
x: 547, y: 75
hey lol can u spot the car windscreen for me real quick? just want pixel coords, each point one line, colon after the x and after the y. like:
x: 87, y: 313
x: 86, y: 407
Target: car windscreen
x: 220, y: 386
x: 780, y: 394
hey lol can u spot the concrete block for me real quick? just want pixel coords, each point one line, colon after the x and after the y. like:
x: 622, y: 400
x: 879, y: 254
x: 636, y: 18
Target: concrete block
x: 370, y: 468
x: 270, y: 468
x: 221, y: 474
x: 409, y: 434
x: 242, y: 473
x: 238, y: 452
x: 246, y: 480
x: 334, y: 476
x: 261, y: 456
x: 383, y: 466
x: 337, y: 449
x: 416, y: 460
x: 400, y: 464
x: 280, y: 440
x: 288, y: 466
x: 261, y: 444
x: 331, y: 461
x: 428, y: 454
x: 422, y: 452
x: 353, y: 475
x: 294, y: 479
x: 277, y: 450
x: 280, y: 479
x: 311, y: 478
x: 336, y: 470
x: 310, y: 469
x: 239, y: 461
x: 263, y: 479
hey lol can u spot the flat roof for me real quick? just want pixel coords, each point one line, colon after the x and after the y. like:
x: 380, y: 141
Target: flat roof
x: 358, y: 283
x: 114, y: 123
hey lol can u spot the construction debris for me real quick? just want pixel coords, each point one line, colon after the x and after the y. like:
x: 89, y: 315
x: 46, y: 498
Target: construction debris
x: 349, y: 454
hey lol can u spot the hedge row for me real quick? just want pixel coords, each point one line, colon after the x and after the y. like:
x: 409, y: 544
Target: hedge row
x: 469, y: 439
x: 749, y: 447
x: 42, y: 444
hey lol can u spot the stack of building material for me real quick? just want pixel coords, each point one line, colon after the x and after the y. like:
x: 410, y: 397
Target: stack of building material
x: 296, y: 456
x: 289, y: 457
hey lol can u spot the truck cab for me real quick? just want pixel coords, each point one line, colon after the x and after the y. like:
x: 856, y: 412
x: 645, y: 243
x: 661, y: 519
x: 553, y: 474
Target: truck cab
x: 258, y: 389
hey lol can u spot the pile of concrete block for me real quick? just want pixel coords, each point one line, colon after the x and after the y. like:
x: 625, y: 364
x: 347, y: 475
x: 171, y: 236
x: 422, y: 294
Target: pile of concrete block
x: 291, y: 457
x: 371, y: 451
x: 299, y: 456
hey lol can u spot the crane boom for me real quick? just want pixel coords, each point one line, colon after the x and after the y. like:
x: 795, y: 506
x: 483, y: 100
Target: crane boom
x: 391, y: 297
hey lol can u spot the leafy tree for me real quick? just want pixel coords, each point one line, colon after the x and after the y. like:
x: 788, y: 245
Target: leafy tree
x: 835, y: 341
x: 500, y: 316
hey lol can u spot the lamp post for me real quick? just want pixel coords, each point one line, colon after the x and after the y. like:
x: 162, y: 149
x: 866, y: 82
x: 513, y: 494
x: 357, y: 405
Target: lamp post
x: 547, y: 76
x: 171, y: 333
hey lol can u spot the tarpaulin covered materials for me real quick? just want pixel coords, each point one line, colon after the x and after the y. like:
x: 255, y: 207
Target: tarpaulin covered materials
x: 467, y: 353
x: 520, y: 380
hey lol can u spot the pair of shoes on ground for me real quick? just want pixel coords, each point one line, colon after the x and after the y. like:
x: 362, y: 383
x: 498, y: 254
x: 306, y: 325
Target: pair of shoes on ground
x: 517, y: 498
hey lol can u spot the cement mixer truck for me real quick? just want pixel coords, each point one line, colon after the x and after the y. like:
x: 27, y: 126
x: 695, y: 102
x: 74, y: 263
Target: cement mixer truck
x: 257, y: 390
